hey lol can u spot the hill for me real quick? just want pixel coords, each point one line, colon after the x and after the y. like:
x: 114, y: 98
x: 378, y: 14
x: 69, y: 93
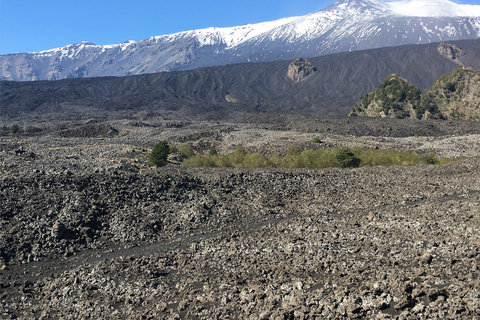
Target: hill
x: 230, y: 91
x: 455, y: 95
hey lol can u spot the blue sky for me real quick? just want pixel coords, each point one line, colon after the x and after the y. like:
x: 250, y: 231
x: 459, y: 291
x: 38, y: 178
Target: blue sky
x: 35, y: 25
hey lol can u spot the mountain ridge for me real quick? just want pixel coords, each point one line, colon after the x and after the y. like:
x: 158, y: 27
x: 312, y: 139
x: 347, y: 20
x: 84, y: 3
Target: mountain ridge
x: 347, y: 25
x: 336, y: 85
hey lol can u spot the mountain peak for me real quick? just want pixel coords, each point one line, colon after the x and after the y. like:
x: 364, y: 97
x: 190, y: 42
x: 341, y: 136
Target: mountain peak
x: 412, y: 8
x: 343, y: 3
x: 84, y: 43
x: 354, y: 5
x: 432, y: 8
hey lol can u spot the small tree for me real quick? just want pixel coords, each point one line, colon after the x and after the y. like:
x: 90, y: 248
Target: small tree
x: 159, y: 154
x: 14, y: 128
x: 346, y: 158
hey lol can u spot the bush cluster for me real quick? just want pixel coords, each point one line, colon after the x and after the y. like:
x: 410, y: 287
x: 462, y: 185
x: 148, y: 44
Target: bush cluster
x: 314, y: 159
x: 158, y: 156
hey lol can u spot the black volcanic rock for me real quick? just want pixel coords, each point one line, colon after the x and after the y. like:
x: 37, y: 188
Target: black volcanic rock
x: 89, y: 230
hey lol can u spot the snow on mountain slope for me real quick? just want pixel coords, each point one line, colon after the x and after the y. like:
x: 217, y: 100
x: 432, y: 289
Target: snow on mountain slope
x: 346, y: 25
x: 210, y: 36
x: 433, y: 8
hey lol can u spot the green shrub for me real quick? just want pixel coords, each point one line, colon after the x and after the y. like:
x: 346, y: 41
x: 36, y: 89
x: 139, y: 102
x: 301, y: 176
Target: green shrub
x: 237, y: 157
x: 430, y: 158
x: 316, y: 140
x: 14, y: 128
x: 159, y: 154
x: 255, y: 160
x: 294, y: 151
x: 315, y: 159
x: 201, y: 161
x: 239, y: 150
x: 347, y: 159
x: 275, y: 159
x: 186, y: 150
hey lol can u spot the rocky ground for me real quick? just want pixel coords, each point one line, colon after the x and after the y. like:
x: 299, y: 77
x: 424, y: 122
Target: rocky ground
x: 88, y: 230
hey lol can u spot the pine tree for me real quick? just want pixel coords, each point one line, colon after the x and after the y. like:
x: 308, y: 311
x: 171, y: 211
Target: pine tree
x: 159, y: 154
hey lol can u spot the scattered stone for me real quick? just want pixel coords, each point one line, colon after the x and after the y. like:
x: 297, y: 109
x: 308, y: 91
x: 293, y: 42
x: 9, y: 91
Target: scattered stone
x: 100, y: 236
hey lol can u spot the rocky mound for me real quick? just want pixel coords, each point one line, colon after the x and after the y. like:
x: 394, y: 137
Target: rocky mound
x: 300, y: 69
x: 455, y: 95
x: 451, y: 51
x: 394, y: 98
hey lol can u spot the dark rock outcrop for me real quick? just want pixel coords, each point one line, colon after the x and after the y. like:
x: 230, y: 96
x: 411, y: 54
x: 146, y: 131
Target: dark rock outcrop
x: 451, y: 51
x: 300, y: 69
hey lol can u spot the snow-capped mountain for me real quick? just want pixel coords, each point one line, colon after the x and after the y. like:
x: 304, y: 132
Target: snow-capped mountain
x: 346, y: 25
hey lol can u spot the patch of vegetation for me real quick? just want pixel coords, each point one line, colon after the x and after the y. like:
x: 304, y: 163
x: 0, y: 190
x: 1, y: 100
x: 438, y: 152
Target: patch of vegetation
x: 186, y: 150
x: 159, y: 154
x: 429, y: 108
x: 14, y: 128
x: 316, y: 139
x: 445, y: 89
x: 456, y: 94
x: 315, y: 159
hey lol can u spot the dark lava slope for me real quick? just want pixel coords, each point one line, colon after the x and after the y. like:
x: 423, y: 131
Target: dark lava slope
x: 228, y: 91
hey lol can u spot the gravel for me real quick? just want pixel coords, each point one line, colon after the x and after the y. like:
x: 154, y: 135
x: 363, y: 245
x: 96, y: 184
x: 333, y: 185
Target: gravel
x: 89, y: 230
